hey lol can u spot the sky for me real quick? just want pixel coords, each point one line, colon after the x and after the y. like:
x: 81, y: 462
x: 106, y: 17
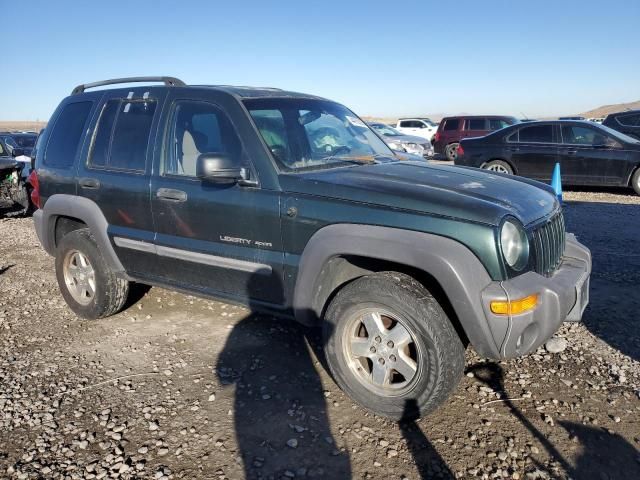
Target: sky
x: 385, y: 59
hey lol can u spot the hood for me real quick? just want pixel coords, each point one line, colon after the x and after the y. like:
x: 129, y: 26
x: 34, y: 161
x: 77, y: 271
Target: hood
x: 464, y: 193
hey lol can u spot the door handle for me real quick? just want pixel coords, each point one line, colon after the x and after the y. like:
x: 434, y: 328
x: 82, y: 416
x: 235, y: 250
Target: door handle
x: 171, y: 195
x: 89, y: 183
x: 571, y: 151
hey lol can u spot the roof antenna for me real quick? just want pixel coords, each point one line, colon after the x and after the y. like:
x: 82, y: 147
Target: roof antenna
x: 524, y: 116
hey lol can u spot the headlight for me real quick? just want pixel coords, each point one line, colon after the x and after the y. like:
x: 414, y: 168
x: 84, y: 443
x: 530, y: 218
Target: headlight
x: 395, y: 146
x: 413, y: 148
x: 514, y: 244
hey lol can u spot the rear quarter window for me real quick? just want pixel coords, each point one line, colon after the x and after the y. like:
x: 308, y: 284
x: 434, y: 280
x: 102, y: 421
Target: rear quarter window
x: 451, y: 124
x: 67, y: 134
x: 476, y: 124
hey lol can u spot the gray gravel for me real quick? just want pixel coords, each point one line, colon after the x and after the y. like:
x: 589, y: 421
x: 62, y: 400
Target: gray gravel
x: 180, y: 387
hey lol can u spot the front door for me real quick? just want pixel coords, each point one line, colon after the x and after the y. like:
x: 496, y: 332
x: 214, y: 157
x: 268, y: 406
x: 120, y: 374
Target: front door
x: 590, y: 157
x: 222, y: 239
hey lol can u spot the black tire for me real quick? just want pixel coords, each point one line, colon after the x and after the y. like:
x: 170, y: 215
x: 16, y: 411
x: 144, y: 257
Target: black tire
x: 499, y: 166
x: 451, y: 151
x: 110, y: 292
x: 438, y: 348
x: 635, y: 181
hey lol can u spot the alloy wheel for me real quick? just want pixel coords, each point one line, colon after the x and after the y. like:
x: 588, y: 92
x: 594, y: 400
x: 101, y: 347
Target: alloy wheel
x: 381, y: 352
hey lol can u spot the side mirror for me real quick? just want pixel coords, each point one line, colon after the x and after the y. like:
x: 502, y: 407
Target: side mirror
x: 218, y: 168
x: 17, y: 152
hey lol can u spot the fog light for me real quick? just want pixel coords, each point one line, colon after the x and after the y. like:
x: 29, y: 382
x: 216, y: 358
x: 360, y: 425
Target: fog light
x: 514, y: 307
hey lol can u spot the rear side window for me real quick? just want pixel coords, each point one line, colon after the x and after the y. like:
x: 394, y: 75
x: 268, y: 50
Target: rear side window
x: 476, y: 124
x: 122, y: 135
x: 66, y: 135
x: 451, y: 124
x: 537, y: 134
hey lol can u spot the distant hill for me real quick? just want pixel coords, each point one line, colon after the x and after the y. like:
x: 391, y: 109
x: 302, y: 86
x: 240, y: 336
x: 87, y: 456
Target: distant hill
x: 34, y: 126
x: 605, y: 110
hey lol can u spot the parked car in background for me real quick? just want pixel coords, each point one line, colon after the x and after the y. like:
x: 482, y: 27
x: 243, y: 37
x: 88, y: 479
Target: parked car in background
x: 596, y: 119
x: 25, y: 141
x: 14, y: 182
x: 588, y: 153
x: 403, y: 143
x: 626, y: 122
x: 572, y: 118
x: 420, y: 127
x: 454, y: 129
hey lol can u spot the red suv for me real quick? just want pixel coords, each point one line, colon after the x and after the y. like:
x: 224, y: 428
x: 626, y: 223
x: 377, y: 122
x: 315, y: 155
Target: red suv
x: 453, y: 129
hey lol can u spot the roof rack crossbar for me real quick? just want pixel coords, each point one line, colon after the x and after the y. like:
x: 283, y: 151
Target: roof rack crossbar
x: 168, y: 81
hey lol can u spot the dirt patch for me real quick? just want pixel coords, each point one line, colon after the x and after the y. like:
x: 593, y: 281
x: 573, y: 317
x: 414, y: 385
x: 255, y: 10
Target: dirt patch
x: 181, y: 387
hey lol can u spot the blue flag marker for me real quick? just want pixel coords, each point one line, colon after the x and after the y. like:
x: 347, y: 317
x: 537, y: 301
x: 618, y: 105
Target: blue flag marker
x: 556, y: 182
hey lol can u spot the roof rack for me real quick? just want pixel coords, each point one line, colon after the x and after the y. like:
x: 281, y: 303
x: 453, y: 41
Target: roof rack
x: 168, y: 81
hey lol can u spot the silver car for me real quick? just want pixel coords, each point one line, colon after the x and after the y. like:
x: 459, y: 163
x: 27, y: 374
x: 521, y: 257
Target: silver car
x: 403, y: 143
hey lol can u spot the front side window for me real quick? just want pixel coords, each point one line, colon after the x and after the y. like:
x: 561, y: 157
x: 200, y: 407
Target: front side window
x: 66, y: 136
x: 537, y: 134
x: 122, y: 135
x: 196, y: 128
x: 451, y: 124
x: 576, y: 135
x: 307, y: 134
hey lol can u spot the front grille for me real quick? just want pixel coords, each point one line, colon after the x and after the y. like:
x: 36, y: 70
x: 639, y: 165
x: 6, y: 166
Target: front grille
x: 548, y: 244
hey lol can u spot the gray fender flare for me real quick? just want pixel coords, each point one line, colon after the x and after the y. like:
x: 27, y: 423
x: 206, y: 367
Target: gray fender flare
x: 458, y: 271
x: 83, y: 209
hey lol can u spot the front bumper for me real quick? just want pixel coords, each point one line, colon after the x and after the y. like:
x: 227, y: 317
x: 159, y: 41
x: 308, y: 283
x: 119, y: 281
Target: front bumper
x: 561, y: 297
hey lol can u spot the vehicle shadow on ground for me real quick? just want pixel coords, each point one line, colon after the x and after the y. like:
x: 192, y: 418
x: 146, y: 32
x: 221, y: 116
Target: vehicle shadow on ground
x: 611, y: 231
x: 280, y: 411
x: 602, y: 452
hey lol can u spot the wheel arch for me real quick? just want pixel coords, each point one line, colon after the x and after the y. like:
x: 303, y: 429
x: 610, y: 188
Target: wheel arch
x: 64, y: 213
x: 338, y: 254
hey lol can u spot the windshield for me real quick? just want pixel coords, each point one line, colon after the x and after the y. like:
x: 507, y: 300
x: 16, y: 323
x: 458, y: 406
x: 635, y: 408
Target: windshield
x: 305, y: 134
x: 25, y: 141
x: 10, y: 142
x: 618, y: 135
x: 385, y: 130
x: 428, y: 121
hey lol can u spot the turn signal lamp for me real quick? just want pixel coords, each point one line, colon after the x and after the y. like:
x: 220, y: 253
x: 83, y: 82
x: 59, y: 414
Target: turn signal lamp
x: 514, y: 307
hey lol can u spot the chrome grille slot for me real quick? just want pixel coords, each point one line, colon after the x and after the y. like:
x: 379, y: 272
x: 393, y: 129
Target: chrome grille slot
x: 548, y: 244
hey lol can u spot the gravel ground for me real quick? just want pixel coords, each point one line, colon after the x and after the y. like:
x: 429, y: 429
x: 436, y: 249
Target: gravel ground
x: 180, y: 387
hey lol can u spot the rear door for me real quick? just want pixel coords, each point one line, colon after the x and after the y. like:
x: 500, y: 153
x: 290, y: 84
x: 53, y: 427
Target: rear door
x: 534, y: 151
x: 117, y: 170
x: 589, y: 156
x: 221, y: 239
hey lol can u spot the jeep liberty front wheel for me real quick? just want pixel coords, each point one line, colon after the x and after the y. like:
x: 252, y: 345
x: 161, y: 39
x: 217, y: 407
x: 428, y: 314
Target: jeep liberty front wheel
x: 391, y: 347
x: 86, y: 282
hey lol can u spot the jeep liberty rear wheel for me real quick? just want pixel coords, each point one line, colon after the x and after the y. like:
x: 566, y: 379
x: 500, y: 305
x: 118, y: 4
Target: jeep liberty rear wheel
x: 86, y: 282
x: 451, y: 151
x: 391, y: 347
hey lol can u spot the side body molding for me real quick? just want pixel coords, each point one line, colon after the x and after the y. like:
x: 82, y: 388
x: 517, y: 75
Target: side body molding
x: 82, y: 209
x: 458, y: 271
